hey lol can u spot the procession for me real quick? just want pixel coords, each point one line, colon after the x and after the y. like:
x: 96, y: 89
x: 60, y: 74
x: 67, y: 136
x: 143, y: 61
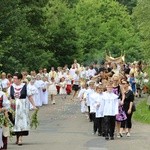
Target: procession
x: 105, y: 91
x: 74, y: 74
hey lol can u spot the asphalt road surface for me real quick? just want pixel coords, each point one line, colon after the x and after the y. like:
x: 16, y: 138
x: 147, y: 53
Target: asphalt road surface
x: 63, y: 127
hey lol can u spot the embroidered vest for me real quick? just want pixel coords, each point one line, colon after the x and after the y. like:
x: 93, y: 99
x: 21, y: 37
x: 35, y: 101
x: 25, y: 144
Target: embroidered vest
x: 22, y: 94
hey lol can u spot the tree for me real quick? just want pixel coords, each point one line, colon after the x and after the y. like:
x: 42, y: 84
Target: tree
x: 104, y: 25
x: 60, y: 33
x: 130, y: 4
x: 22, y: 41
x: 141, y: 20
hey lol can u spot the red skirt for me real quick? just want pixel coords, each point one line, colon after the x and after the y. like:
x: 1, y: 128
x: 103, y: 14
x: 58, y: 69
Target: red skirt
x: 58, y: 88
x: 68, y: 89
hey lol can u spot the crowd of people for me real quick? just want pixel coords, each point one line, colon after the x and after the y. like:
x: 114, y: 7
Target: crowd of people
x: 106, y: 92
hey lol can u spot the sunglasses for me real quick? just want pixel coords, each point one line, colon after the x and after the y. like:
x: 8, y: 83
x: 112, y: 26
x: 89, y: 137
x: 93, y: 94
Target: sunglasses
x: 123, y: 83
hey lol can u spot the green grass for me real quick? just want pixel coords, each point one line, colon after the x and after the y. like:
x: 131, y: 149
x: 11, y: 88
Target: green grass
x: 142, y: 113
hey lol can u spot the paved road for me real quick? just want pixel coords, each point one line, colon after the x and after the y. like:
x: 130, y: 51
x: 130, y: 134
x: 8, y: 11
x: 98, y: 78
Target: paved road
x: 63, y: 127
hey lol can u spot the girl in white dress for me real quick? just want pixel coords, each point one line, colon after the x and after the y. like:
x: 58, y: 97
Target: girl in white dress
x: 52, y: 89
x: 45, y: 91
x: 63, y: 86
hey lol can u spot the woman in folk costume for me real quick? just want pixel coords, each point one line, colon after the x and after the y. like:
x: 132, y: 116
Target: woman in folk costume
x: 4, y: 106
x: 39, y: 84
x: 111, y: 104
x: 52, y: 90
x: 20, y: 96
x: 34, y: 92
x: 63, y: 86
x: 45, y: 90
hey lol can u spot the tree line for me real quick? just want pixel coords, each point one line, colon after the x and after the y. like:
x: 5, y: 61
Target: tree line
x: 45, y: 33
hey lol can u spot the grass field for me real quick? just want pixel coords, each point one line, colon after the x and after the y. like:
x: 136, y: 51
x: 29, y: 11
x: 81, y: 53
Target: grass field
x: 142, y: 113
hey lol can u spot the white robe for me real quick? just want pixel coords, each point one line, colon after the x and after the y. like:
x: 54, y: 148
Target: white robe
x: 88, y: 93
x: 111, y: 104
x: 82, y: 99
x: 99, y: 105
x: 39, y: 85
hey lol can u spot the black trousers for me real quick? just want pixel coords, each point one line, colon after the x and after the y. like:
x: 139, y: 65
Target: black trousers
x: 98, y: 125
x: 127, y: 123
x: 109, y: 125
x: 90, y: 115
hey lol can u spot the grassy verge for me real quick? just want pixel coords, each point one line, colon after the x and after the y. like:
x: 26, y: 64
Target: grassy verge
x: 142, y: 113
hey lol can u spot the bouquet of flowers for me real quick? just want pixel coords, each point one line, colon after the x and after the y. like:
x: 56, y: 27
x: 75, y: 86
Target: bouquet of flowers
x: 34, y: 119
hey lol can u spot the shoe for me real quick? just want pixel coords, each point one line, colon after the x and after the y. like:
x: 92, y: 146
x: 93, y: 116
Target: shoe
x: 20, y: 143
x: 111, y: 138
x: 120, y: 134
x: 94, y: 133
x: 53, y: 102
x: 128, y: 134
x: 103, y: 134
x: 99, y: 134
x: 106, y: 138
